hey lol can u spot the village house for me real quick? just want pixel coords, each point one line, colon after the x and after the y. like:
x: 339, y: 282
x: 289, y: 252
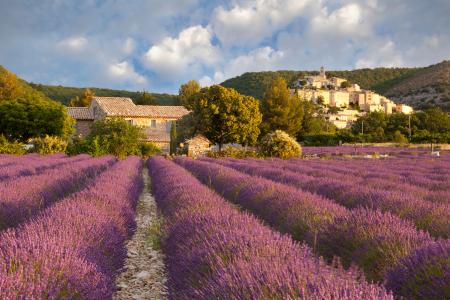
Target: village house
x: 155, y: 120
x: 330, y: 93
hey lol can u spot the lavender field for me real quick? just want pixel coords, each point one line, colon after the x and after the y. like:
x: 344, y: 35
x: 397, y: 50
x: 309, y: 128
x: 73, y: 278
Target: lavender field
x: 335, y: 228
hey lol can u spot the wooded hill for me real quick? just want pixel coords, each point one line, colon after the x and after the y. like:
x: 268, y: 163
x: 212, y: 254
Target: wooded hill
x: 64, y: 94
x: 396, y: 83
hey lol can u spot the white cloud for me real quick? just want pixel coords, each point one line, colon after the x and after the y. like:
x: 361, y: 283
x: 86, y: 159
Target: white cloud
x: 75, y: 44
x: 124, y: 71
x: 251, y: 21
x: 261, y: 59
x: 129, y: 46
x: 381, y: 54
x: 350, y: 19
x: 191, y: 50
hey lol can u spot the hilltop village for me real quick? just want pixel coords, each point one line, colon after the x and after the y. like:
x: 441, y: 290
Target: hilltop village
x: 343, y: 102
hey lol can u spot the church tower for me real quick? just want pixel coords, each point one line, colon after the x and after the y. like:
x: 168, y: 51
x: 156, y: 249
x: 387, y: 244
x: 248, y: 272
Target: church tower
x: 322, y: 72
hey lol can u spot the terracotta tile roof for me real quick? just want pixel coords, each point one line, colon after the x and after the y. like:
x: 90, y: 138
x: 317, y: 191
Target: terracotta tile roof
x: 80, y: 113
x: 124, y: 107
x: 162, y: 111
x: 157, y: 135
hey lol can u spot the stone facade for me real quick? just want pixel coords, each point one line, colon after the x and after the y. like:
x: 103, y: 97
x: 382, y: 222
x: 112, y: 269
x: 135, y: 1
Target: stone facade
x: 197, y: 146
x: 155, y: 120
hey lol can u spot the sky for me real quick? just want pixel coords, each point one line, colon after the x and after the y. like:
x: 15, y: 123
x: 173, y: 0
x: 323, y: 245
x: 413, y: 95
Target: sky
x: 157, y: 45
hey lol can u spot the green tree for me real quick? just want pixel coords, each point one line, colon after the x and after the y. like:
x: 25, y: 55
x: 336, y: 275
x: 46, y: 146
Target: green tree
x: 173, y: 137
x: 225, y: 116
x: 34, y: 116
x: 115, y: 136
x: 345, y: 84
x: 374, y: 125
x: 280, y: 110
x: 434, y: 120
x: 186, y: 93
x: 146, y: 98
x: 399, y: 137
x: 10, y: 86
x: 83, y: 101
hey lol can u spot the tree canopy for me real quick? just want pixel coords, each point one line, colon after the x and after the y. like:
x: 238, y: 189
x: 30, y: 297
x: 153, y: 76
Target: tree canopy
x: 225, y: 116
x: 32, y: 116
x: 280, y: 110
x: 83, y: 101
x: 186, y: 93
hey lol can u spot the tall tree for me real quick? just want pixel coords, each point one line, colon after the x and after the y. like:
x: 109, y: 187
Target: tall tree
x: 10, y: 86
x: 186, y: 93
x: 225, y: 116
x: 84, y: 100
x: 280, y: 110
x: 173, y: 137
x: 146, y: 98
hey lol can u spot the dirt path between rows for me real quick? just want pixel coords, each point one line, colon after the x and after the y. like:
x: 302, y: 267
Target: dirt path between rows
x: 143, y: 275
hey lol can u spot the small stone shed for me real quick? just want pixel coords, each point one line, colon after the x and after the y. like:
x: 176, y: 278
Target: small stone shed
x: 197, y: 146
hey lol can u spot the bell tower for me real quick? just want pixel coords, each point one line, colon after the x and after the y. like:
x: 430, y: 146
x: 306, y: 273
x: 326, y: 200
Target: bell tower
x: 322, y: 72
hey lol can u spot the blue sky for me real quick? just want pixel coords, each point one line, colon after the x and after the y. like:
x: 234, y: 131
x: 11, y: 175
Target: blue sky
x: 157, y: 45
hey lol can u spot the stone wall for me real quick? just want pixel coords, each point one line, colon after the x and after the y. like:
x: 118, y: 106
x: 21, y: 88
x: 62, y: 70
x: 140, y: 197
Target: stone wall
x: 83, y: 127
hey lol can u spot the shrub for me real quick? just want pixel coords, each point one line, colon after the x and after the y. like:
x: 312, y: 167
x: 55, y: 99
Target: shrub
x: 114, y: 136
x: 148, y: 149
x: 233, y: 152
x: 400, y: 138
x: 280, y: 144
x: 8, y: 147
x: 49, y: 145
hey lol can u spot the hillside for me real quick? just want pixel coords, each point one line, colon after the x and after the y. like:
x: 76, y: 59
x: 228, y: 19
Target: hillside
x: 419, y: 87
x: 427, y: 87
x: 254, y: 83
x: 64, y: 94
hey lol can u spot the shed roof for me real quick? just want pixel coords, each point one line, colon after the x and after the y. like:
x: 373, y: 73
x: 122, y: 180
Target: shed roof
x: 80, y: 113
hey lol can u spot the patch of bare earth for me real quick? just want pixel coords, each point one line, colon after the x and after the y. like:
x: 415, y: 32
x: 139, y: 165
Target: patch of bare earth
x: 143, y: 275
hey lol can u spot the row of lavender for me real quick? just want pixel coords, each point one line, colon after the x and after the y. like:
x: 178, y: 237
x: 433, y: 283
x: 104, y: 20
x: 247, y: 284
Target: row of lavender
x: 357, y: 149
x: 23, y: 197
x: 385, y: 247
x: 433, y: 216
x: 73, y: 249
x: 215, y: 251
x: 30, y: 165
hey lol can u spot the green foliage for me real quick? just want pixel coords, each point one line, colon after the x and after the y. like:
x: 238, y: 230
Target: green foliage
x: 186, y: 93
x: 233, y: 152
x: 49, y: 145
x: 8, y: 147
x: 147, y: 149
x: 173, y: 137
x: 320, y: 139
x: 225, y: 116
x: 345, y: 84
x: 65, y: 94
x: 83, y: 101
x: 280, y: 110
x: 399, y: 137
x: 114, y: 136
x: 280, y: 144
x: 146, y: 98
x: 255, y: 83
x: 34, y: 116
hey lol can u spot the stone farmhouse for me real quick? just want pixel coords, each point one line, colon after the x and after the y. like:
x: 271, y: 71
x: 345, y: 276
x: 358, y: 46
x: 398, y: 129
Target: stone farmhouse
x: 155, y: 120
x: 352, y: 100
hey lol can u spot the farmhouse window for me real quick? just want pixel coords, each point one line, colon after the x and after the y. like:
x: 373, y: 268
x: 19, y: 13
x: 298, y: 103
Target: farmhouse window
x: 153, y: 123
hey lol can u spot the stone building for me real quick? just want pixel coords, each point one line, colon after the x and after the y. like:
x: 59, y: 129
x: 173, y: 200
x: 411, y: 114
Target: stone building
x: 155, y: 120
x: 197, y: 146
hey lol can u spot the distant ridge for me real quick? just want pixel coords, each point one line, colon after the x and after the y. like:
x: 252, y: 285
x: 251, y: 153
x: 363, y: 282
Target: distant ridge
x: 419, y: 87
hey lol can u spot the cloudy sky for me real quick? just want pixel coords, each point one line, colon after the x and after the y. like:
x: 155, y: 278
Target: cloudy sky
x: 158, y: 44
